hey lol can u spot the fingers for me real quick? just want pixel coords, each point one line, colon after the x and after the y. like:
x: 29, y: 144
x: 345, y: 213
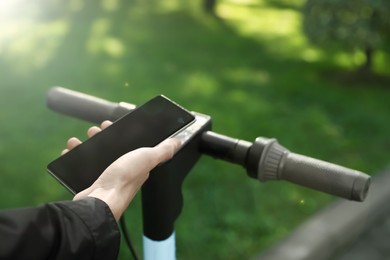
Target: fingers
x: 105, y: 124
x: 94, y: 129
x: 72, y: 143
x: 160, y: 153
x: 167, y: 149
x: 143, y: 160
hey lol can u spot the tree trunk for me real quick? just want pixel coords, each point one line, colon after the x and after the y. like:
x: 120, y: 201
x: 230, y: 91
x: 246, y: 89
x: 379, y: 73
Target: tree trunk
x: 209, y: 6
x: 367, y: 66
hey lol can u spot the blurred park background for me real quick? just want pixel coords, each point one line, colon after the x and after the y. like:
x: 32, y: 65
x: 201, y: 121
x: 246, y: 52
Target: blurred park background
x: 313, y: 77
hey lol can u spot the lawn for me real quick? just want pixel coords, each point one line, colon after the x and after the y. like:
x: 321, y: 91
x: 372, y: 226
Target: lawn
x: 251, y: 69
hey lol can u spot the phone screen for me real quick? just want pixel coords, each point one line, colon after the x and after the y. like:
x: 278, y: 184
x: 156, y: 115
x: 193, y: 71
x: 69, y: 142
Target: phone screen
x: 146, y: 126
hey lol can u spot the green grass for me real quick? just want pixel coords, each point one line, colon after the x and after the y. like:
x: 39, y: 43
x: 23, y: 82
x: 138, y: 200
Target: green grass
x: 251, y: 70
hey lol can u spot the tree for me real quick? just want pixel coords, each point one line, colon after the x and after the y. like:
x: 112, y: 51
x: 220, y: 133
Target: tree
x: 209, y: 6
x: 350, y: 24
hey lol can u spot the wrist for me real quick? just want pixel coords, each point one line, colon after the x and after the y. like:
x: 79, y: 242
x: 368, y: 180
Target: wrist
x: 112, y: 198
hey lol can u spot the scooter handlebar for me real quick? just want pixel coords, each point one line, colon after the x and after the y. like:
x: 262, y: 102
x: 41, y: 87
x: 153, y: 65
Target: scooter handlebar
x: 278, y: 163
x: 84, y: 106
x: 265, y: 159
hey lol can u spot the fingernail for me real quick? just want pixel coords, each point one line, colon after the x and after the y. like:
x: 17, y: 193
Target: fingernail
x: 179, y: 140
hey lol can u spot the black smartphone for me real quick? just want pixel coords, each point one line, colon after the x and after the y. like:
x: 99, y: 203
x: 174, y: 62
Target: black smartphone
x: 146, y: 126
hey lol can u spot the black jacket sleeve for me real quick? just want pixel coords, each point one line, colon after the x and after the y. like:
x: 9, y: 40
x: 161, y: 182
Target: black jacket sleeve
x: 82, y: 229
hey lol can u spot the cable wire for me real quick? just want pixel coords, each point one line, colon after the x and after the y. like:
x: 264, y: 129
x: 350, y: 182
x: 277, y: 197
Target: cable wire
x: 126, y: 235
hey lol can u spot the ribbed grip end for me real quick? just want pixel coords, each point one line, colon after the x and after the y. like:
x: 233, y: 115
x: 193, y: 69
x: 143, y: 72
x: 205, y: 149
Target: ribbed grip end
x: 277, y: 163
x: 271, y: 160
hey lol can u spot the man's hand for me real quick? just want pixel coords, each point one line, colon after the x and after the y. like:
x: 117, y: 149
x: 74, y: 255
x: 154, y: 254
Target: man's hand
x: 119, y: 183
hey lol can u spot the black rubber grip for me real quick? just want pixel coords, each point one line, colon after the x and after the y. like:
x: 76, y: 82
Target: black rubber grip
x: 324, y: 176
x: 278, y: 163
x: 84, y: 106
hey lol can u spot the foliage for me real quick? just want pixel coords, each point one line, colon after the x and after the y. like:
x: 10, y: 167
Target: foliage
x: 349, y: 24
x: 251, y: 70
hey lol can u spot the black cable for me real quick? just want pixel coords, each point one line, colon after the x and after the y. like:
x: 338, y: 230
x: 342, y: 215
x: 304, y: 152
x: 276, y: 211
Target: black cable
x: 126, y: 235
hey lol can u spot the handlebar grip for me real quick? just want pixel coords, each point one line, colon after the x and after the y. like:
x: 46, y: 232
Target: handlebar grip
x: 326, y: 177
x: 84, y: 106
x: 278, y: 163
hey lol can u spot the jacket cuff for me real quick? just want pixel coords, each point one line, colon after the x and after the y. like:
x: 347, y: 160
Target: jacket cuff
x: 99, y: 220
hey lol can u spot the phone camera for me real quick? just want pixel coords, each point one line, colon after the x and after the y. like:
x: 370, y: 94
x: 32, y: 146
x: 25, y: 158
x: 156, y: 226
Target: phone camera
x: 180, y: 120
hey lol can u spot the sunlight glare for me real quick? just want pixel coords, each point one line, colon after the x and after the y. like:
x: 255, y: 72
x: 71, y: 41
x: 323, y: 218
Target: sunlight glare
x: 200, y: 84
x: 311, y: 55
x: 110, y: 5
x: 114, y: 47
x: 26, y: 42
x: 9, y: 8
